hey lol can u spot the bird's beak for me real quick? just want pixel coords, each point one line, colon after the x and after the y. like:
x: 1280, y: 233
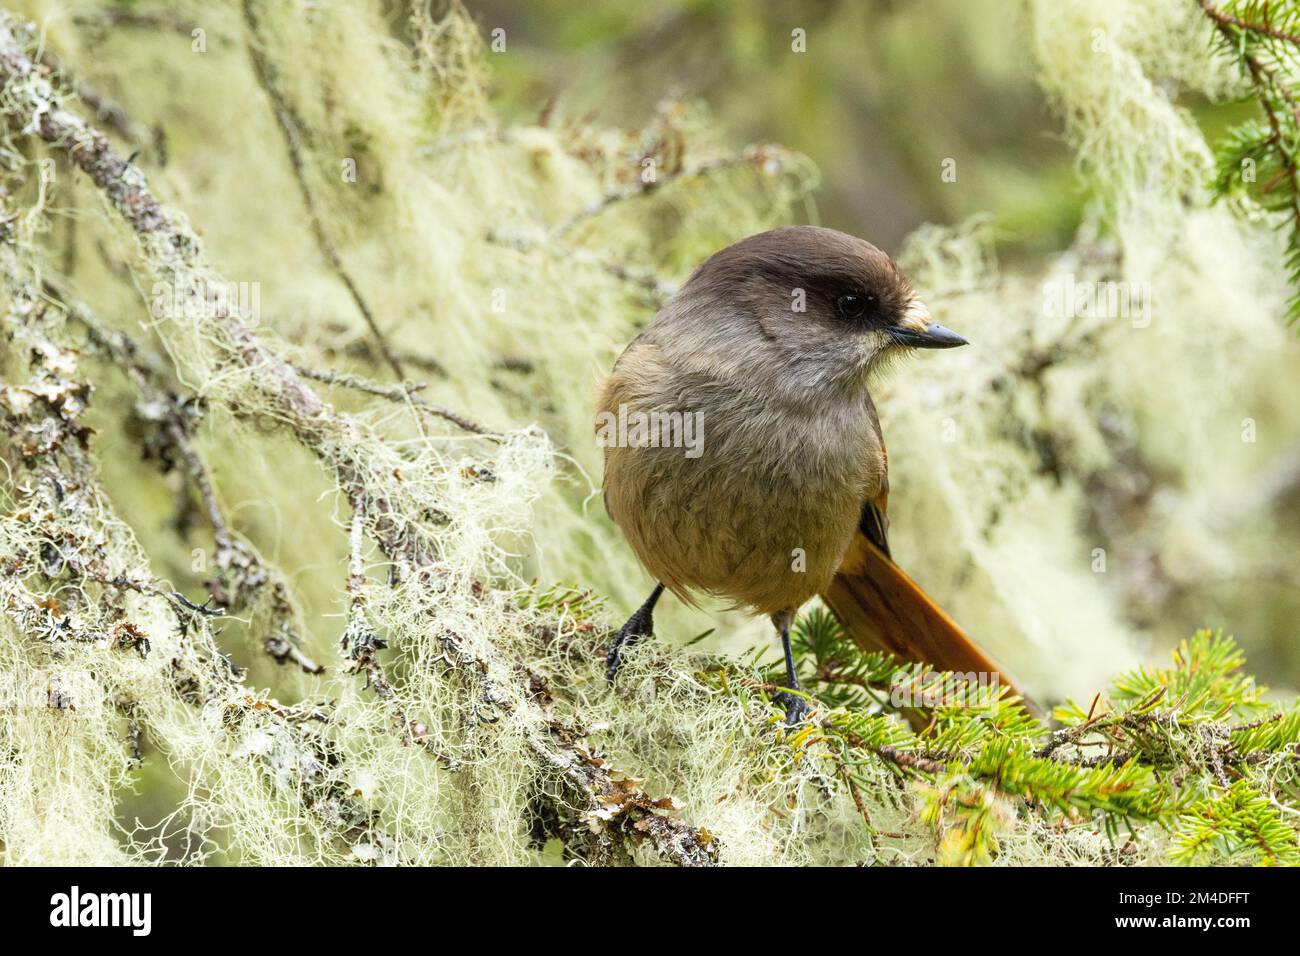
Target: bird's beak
x: 918, y: 329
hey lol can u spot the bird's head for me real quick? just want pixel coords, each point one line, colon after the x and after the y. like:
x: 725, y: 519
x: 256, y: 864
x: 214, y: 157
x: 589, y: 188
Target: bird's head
x: 827, y: 306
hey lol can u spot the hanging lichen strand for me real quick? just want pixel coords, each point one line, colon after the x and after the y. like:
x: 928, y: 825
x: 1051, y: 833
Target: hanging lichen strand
x: 265, y: 602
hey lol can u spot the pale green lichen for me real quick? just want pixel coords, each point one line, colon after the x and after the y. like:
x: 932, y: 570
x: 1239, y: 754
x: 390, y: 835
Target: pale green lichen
x: 492, y: 262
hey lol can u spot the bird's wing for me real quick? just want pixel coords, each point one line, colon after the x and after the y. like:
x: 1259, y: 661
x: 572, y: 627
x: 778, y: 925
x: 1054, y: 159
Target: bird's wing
x: 882, y: 608
x: 874, y: 523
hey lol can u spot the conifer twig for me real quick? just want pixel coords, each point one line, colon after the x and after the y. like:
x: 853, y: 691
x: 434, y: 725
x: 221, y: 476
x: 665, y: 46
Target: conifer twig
x: 1224, y: 18
x: 1266, y: 52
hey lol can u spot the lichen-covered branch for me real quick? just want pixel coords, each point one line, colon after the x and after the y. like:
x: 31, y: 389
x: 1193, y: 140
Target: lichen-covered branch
x: 382, y: 484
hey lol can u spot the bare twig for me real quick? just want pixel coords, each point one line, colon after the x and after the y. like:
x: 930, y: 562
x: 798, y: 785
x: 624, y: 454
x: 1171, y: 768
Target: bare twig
x: 403, y: 393
x: 762, y: 157
x: 909, y: 760
x: 113, y: 17
x: 657, y: 290
x: 106, y: 111
x: 157, y: 590
x: 291, y: 128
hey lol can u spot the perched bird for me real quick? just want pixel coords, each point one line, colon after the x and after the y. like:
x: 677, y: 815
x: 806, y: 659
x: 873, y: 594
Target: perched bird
x: 743, y: 453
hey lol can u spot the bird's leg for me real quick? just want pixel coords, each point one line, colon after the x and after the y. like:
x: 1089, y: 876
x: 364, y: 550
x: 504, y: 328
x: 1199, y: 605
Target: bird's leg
x: 640, y: 624
x: 796, y: 708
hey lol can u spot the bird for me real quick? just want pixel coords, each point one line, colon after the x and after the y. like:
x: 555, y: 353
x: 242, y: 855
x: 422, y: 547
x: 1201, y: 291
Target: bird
x: 744, y: 457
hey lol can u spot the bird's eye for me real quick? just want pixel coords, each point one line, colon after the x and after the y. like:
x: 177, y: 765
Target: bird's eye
x: 853, y: 305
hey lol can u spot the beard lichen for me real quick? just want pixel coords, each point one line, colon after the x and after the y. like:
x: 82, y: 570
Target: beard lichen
x: 376, y: 674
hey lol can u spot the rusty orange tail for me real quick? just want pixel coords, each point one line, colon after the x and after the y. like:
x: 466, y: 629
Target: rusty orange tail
x: 881, y: 608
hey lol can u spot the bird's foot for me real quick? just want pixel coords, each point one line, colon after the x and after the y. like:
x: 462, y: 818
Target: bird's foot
x: 639, y: 625
x: 796, y: 708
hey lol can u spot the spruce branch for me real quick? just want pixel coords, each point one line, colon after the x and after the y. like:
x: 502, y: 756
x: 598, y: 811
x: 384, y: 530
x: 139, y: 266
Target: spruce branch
x: 1256, y: 160
x: 1144, y: 752
x: 1241, y: 823
x: 767, y: 158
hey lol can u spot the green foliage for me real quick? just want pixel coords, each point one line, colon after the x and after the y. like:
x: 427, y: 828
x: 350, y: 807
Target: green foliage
x: 1258, y: 159
x: 1162, y: 751
x: 1241, y: 824
x: 1205, y: 677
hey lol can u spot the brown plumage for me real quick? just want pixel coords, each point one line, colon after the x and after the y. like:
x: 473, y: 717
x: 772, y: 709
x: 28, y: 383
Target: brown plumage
x: 882, y: 608
x: 767, y: 350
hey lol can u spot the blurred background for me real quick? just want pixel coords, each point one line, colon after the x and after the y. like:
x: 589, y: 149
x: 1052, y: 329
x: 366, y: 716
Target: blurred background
x: 886, y: 91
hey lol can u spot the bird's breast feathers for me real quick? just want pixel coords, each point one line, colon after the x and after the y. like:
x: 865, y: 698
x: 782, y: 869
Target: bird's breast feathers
x: 765, y: 508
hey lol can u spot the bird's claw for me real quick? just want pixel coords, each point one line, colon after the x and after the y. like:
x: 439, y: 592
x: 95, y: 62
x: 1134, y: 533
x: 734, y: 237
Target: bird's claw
x: 627, y: 635
x: 796, y: 708
x: 640, y: 624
